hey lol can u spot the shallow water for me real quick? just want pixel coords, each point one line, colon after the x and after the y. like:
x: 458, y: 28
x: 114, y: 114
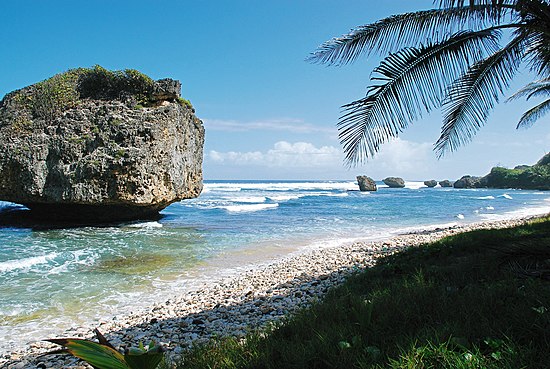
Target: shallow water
x: 53, y: 279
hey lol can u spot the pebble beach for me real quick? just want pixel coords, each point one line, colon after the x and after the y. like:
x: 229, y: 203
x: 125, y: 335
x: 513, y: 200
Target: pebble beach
x: 233, y: 306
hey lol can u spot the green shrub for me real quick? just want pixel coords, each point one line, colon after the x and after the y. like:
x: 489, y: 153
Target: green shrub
x: 535, y: 177
x: 185, y: 102
x: 100, y: 83
x: 51, y: 96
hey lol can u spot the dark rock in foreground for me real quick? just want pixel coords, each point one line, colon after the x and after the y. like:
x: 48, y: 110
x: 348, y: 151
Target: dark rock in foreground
x: 430, y: 183
x: 99, y: 145
x: 366, y: 183
x: 394, y: 182
x: 446, y: 183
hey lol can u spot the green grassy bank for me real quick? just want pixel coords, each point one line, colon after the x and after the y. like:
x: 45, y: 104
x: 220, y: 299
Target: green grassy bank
x: 475, y: 300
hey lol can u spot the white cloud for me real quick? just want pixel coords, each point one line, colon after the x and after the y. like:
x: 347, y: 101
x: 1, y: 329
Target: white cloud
x: 402, y: 156
x: 284, y: 155
x: 284, y: 124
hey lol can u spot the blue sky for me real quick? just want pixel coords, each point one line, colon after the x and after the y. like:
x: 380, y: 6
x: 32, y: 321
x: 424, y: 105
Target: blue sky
x: 268, y: 114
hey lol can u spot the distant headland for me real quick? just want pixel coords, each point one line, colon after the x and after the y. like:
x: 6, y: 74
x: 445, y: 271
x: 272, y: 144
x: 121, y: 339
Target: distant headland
x: 523, y: 177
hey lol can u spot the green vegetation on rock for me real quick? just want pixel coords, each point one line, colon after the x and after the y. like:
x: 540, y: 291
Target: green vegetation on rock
x: 475, y: 300
x: 536, y: 177
x: 100, y: 83
x: 185, y: 102
x: 48, y: 98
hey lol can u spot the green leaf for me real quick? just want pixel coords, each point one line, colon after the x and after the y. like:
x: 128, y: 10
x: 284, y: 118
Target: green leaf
x: 97, y: 355
x: 149, y: 359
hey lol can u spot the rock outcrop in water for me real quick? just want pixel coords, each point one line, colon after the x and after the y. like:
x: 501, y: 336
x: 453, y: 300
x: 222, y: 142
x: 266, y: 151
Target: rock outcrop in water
x: 445, y: 183
x: 469, y: 182
x: 99, y: 145
x: 394, y: 182
x: 430, y: 183
x: 366, y: 183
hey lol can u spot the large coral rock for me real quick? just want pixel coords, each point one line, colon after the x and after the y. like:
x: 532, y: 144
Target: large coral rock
x: 100, y: 159
x: 366, y: 183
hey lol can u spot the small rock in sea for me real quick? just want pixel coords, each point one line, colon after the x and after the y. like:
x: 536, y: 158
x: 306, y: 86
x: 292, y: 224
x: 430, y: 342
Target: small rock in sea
x: 430, y: 183
x: 394, y: 182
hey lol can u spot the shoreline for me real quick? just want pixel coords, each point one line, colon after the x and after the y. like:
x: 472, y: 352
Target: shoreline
x: 261, y: 294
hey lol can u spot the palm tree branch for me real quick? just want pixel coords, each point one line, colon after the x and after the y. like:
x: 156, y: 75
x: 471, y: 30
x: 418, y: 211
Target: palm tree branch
x: 473, y: 95
x: 414, y: 81
x: 533, y: 114
x: 395, y: 32
x: 533, y: 89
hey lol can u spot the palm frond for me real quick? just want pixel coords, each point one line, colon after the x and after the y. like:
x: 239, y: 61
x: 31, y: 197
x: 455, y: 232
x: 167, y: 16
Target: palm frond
x: 497, y: 10
x: 535, y: 16
x: 473, y: 95
x: 533, y: 89
x: 539, y: 52
x: 414, y: 82
x: 398, y: 31
x: 461, y: 3
x: 534, y: 114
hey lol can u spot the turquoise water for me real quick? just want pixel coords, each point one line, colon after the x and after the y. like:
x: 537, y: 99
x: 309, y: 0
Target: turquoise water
x: 53, y: 279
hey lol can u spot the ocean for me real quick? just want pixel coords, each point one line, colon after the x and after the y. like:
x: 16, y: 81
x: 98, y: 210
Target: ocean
x: 52, y: 279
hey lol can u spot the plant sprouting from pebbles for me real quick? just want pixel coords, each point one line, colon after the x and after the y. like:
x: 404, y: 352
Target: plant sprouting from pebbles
x: 103, y: 355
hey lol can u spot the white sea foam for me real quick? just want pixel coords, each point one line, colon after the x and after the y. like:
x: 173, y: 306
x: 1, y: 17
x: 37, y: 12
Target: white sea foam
x: 489, y: 208
x: 460, y: 216
x: 506, y: 196
x: 516, y: 214
x: 247, y: 199
x: 282, y: 186
x: 339, y: 194
x: 26, y: 263
x: 414, y: 185
x: 485, y: 198
x: 284, y: 197
x: 249, y: 207
x: 145, y: 225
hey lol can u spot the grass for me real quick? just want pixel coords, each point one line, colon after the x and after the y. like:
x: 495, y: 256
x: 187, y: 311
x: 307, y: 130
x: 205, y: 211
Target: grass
x: 467, y: 301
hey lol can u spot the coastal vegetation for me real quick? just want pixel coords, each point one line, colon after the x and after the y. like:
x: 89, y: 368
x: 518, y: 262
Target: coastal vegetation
x: 474, y: 300
x: 49, y: 98
x: 450, y: 57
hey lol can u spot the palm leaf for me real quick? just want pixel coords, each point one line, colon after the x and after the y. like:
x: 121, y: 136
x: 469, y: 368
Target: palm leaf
x: 415, y: 80
x: 533, y: 89
x: 470, y: 3
x: 395, y: 32
x: 97, y: 355
x: 533, y: 114
x: 470, y: 97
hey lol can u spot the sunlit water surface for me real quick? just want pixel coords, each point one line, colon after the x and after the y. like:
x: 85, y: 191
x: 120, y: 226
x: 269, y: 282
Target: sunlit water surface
x: 53, y: 279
